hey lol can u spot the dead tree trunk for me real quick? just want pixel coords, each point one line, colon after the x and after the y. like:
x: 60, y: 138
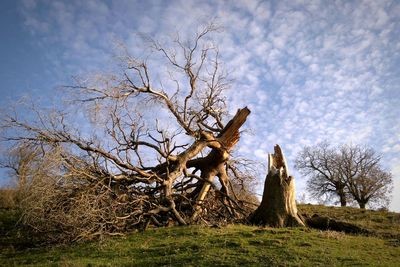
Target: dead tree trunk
x: 278, y: 205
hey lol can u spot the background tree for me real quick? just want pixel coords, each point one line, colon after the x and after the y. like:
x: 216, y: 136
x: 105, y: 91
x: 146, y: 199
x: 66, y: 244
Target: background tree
x: 20, y: 160
x: 366, y: 181
x: 348, y: 171
x: 159, y: 136
x: 320, y: 164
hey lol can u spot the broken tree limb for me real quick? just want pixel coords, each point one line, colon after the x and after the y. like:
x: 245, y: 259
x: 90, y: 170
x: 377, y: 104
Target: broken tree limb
x: 214, y: 163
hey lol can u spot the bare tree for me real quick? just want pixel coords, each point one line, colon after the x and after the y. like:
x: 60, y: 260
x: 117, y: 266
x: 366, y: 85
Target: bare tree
x: 20, y: 160
x: 349, y: 171
x: 159, y: 138
x: 366, y: 181
x: 320, y: 164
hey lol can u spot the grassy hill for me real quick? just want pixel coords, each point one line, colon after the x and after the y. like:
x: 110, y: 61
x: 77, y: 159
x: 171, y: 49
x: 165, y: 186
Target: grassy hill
x: 232, y: 245
x: 381, y: 223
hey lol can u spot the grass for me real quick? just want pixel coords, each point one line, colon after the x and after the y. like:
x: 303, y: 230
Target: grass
x: 382, y: 223
x: 233, y: 245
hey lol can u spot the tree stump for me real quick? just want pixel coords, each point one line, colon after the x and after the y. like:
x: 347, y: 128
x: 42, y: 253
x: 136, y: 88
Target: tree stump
x: 278, y: 205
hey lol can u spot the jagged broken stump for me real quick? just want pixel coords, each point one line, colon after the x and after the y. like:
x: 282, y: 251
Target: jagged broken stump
x: 278, y: 205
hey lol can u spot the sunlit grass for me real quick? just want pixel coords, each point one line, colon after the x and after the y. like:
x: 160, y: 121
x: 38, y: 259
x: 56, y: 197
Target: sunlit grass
x: 233, y: 245
x: 382, y: 223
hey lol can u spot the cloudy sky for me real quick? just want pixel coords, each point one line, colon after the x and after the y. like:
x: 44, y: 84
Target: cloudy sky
x: 308, y: 70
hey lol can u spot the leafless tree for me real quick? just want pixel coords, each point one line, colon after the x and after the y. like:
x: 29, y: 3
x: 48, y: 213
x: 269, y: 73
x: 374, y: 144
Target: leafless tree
x: 349, y: 172
x: 20, y: 160
x: 320, y: 164
x: 158, y: 140
x: 366, y: 181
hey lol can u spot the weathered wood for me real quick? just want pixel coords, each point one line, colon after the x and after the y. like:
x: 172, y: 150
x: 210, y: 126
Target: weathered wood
x: 229, y: 136
x: 278, y: 206
x: 213, y: 164
x: 326, y: 223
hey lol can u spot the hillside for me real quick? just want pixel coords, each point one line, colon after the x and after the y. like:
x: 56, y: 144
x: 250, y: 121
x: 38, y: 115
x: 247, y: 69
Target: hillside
x: 380, y: 223
x: 232, y: 245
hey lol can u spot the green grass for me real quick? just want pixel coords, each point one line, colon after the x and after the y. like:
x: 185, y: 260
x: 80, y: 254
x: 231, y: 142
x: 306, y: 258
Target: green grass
x: 382, y: 223
x: 233, y: 245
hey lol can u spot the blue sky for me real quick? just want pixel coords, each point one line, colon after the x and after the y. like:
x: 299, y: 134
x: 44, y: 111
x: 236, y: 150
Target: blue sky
x: 308, y: 70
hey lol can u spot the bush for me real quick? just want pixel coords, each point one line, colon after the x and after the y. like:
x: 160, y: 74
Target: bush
x: 65, y: 212
x: 8, y: 198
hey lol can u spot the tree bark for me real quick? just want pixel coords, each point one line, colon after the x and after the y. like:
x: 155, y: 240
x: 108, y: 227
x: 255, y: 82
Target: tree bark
x: 362, y: 204
x: 278, y: 206
x: 342, y: 196
x: 340, y: 191
x: 214, y: 163
x: 326, y: 223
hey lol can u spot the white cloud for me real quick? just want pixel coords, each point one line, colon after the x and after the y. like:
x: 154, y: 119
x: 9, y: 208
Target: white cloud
x: 261, y: 154
x: 309, y: 71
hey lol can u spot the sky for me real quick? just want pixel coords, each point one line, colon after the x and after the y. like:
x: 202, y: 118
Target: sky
x: 308, y: 70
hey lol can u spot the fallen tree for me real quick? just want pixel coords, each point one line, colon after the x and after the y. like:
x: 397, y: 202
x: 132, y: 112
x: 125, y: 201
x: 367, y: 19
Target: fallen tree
x: 326, y: 223
x: 152, y: 155
x: 134, y: 169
